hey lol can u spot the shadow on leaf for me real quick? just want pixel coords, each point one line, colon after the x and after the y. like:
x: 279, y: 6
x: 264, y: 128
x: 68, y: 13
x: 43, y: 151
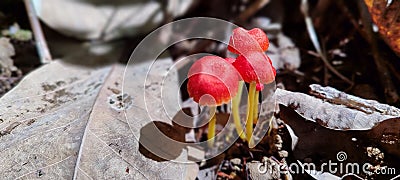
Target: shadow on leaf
x: 160, y: 141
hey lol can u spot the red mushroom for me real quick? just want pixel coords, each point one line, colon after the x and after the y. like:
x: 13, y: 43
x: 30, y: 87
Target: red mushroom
x: 253, y: 65
x: 212, y: 82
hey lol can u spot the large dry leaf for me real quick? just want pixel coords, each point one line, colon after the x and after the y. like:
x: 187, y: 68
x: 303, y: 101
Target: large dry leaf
x: 386, y: 15
x: 65, y: 121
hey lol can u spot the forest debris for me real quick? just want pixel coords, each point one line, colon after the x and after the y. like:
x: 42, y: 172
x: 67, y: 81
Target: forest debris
x: 314, y: 39
x: 120, y: 101
x: 8, y: 129
x: 9, y: 74
x: 15, y: 32
x: 337, y: 97
x: 285, y: 55
x: 375, y: 152
x: 336, y: 116
x: 387, y: 135
x: 230, y: 169
x: 6, y: 51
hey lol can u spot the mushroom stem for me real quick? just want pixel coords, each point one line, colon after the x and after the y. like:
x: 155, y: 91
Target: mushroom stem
x: 211, y: 126
x: 235, y: 112
x: 250, y: 113
x: 255, y: 104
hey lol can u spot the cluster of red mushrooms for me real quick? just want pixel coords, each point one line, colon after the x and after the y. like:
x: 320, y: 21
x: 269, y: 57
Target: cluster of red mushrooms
x: 214, y: 81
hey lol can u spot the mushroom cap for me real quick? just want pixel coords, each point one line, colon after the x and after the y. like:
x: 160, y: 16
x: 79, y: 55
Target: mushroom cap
x: 255, y: 67
x: 252, y: 63
x: 212, y: 81
x: 237, y: 45
x: 230, y: 60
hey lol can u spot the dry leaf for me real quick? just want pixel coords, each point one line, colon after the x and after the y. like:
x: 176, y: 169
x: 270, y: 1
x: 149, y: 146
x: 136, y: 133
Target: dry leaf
x: 358, y: 114
x: 386, y: 15
x: 92, y: 19
x: 65, y: 121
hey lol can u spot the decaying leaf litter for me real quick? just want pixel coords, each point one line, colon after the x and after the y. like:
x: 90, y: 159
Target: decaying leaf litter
x: 57, y: 117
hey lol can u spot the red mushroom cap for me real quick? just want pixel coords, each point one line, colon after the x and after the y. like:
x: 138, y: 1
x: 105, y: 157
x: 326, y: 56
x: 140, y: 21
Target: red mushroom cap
x: 237, y: 45
x: 252, y: 63
x: 212, y: 81
x: 230, y: 60
x: 261, y: 37
x: 255, y: 67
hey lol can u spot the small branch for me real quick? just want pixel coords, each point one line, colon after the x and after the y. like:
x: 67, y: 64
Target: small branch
x: 41, y: 45
x: 251, y: 10
x: 108, y: 23
x: 337, y: 97
x: 314, y: 39
x: 346, y: 112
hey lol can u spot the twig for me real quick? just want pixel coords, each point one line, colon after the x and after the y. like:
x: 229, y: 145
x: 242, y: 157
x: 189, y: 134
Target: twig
x: 251, y: 10
x: 41, y: 45
x: 385, y: 78
x: 337, y: 97
x: 108, y: 23
x: 314, y: 39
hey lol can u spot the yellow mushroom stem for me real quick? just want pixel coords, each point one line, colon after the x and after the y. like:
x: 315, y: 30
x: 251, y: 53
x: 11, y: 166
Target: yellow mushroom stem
x: 211, y: 126
x: 235, y: 112
x: 250, y: 112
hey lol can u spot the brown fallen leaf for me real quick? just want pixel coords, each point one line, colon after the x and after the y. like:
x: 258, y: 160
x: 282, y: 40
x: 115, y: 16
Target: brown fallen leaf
x: 386, y: 15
